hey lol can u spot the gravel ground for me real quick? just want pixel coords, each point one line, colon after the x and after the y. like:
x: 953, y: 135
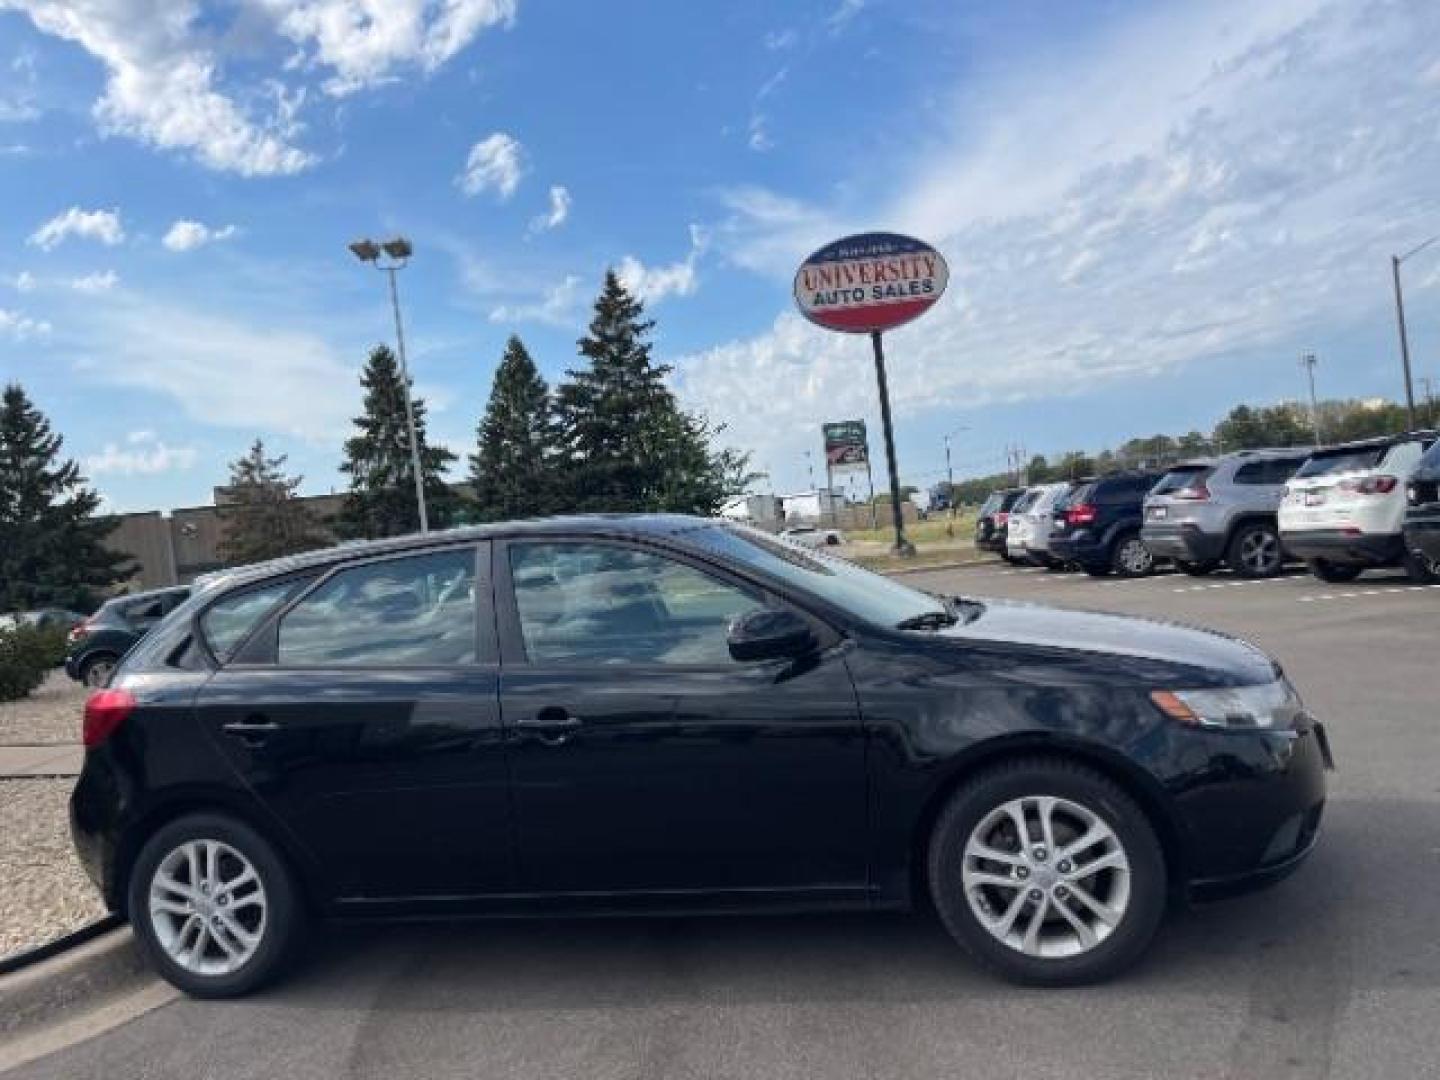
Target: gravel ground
x: 43, y: 891
x: 50, y: 715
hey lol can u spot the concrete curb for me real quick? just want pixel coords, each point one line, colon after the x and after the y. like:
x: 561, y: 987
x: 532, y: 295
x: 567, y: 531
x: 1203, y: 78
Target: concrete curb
x: 44, y: 993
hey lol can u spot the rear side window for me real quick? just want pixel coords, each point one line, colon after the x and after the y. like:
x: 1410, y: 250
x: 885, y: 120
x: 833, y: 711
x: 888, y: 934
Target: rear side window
x: 230, y: 619
x: 1024, y: 502
x: 1182, y: 477
x: 1009, y: 498
x: 413, y: 611
x: 1270, y: 471
x: 991, y: 503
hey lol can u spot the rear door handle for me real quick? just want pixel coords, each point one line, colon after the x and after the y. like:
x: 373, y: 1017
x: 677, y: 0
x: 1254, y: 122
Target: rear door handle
x: 252, y: 732
x: 552, y: 725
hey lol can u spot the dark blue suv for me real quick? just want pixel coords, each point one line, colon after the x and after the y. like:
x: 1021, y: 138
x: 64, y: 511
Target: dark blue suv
x: 1098, y: 527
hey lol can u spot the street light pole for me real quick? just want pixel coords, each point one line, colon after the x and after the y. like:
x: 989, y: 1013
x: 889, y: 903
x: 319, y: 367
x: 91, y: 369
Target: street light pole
x: 949, y: 471
x: 1395, y: 261
x: 399, y: 251
x: 1308, y: 362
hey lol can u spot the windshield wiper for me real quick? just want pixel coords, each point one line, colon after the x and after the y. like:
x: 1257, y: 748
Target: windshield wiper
x: 928, y: 620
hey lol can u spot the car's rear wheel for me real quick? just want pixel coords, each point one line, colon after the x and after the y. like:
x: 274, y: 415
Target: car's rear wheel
x: 95, y: 672
x: 1422, y: 568
x: 1197, y: 569
x: 1048, y: 873
x: 1131, y: 557
x: 1334, y: 573
x: 213, y: 905
x: 1254, y: 551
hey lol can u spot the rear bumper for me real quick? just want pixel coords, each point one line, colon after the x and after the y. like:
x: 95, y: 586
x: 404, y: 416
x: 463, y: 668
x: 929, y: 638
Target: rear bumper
x: 1337, y: 546
x: 1081, y: 546
x: 1188, y: 543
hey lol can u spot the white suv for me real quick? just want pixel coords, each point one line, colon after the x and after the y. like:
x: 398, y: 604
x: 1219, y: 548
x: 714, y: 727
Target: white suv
x: 1344, y: 510
x: 1029, y: 538
x: 1018, y: 527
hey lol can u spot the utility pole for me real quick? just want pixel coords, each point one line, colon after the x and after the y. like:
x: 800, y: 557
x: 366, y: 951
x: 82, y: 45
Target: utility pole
x: 1395, y: 261
x: 1425, y: 381
x: 1307, y: 361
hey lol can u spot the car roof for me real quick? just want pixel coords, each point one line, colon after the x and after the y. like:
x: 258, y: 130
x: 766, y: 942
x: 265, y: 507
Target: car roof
x: 146, y: 594
x: 1377, y: 441
x: 607, y: 525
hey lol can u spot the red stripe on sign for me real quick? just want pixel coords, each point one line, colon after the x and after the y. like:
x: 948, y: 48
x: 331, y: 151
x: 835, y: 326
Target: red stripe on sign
x: 871, y: 316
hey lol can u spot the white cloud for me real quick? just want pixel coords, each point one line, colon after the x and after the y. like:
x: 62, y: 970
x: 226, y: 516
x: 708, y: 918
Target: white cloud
x: 496, y: 163
x: 844, y: 12
x: 364, y: 41
x: 23, y: 282
x: 654, y: 283
x: 162, y: 71
x: 143, y: 455
x: 560, y: 306
x: 218, y: 370
x: 557, y: 214
x: 1208, y: 181
x: 780, y: 40
x: 101, y: 225
x: 186, y: 235
x: 20, y: 327
x: 99, y: 282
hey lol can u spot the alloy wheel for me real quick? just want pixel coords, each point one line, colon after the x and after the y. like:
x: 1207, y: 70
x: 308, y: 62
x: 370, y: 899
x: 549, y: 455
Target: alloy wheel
x: 98, y: 672
x: 1260, y: 552
x: 1046, y: 876
x: 208, y: 907
x: 1135, y: 557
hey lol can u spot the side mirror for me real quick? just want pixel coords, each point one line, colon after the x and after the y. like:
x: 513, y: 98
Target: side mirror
x: 769, y: 634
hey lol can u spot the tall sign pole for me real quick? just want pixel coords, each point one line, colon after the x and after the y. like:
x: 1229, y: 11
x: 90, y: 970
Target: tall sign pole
x: 867, y: 284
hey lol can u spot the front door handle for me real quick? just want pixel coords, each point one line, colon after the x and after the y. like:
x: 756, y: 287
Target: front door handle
x: 552, y: 725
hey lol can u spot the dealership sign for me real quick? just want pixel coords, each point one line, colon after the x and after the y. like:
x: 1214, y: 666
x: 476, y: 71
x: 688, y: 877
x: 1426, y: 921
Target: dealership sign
x: 870, y: 282
x: 846, y: 447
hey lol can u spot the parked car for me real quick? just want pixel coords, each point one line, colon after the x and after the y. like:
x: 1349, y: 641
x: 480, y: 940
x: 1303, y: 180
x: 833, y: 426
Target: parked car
x: 43, y: 618
x: 992, y: 520
x: 1222, y: 510
x: 813, y: 536
x: 1099, y: 527
x: 1017, y: 525
x: 660, y: 714
x: 1039, y: 523
x: 98, y: 643
x: 1422, y: 519
x: 1344, y: 509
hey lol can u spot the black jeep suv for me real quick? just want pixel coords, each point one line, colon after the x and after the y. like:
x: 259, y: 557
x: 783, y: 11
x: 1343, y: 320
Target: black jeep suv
x: 1098, y: 526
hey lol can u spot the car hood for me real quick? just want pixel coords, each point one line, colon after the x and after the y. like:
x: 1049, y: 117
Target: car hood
x: 1015, y: 622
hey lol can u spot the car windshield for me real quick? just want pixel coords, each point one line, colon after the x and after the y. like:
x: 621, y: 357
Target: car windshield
x: 868, y: 596
x: 1181, y: 477
x: 1341, y: 461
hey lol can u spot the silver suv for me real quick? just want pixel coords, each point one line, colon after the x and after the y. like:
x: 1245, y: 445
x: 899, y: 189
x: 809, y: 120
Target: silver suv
x: 1223, y: 509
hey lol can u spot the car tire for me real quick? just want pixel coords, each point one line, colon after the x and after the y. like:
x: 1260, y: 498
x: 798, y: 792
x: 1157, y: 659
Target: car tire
x: 1420, y: 568
x: 979, y: 816
x: 1334, y: 573
x: 1129, y: 557
x: 255, y: 926
x: 1254, y: 551
x: 1197, y: 569
x: 96, y: 670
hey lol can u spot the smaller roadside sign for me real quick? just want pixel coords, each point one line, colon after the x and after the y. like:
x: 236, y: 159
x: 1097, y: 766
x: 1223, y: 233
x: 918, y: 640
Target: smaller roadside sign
x: 846, y: 446
x: 870, y: 282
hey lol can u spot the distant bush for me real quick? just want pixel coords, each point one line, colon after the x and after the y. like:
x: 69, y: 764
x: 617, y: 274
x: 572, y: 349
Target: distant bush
x: 27, y: 654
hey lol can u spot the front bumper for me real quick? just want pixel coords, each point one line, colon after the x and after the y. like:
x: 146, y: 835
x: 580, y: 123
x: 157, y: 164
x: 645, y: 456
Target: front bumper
x: 1257, y: 817
x: 1187, y: 543
x: 1339, y: 546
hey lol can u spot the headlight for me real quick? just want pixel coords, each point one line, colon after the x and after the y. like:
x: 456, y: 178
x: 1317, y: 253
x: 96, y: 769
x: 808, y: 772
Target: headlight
x: 1273, y: 705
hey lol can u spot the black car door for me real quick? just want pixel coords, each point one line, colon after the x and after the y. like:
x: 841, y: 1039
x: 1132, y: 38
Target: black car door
x: 645, y: 759
x: 364, y: 713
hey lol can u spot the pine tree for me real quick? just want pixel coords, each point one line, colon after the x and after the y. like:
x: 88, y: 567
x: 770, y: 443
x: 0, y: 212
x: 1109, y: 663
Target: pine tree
x: 513, y: 470
x: 51, y: 543
x: 261, y: 517
x: 627, y: 445
x: 381, y: 501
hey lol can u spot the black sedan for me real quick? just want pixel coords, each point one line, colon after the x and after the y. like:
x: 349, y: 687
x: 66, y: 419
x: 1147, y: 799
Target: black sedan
x: 668, y: 714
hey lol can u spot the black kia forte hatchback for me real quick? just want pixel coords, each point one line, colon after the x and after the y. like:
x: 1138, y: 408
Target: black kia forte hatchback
x: 667, y: 714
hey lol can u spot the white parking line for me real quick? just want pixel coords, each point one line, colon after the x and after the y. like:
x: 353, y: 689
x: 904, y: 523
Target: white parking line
x: 1234, y: 583
x: 1393, y: 591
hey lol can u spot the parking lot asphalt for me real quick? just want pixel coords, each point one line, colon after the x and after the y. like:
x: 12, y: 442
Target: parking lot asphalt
x: 1334, y: 973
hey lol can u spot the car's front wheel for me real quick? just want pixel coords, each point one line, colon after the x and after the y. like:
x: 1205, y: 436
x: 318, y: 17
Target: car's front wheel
x: 1048, y: 873
x: 1334, y: 573
x: 97, y: 669
x: 213, y: 905
x: 1422, y: 568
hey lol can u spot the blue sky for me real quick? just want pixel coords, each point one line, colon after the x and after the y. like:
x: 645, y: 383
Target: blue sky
x: 1149, y: 210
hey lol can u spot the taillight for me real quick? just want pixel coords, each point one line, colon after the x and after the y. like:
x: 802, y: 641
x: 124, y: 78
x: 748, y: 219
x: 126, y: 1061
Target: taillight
x: 1083, y: 514
x: 1370, y: 485
x: 1002, y: 517
x: 78, y: 631
x: 105, y: 711
x: 1196, y: 492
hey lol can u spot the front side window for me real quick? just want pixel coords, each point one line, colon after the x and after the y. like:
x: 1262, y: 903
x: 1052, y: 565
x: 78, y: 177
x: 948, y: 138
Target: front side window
x: 413, y: 611
x: 602, y: 604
